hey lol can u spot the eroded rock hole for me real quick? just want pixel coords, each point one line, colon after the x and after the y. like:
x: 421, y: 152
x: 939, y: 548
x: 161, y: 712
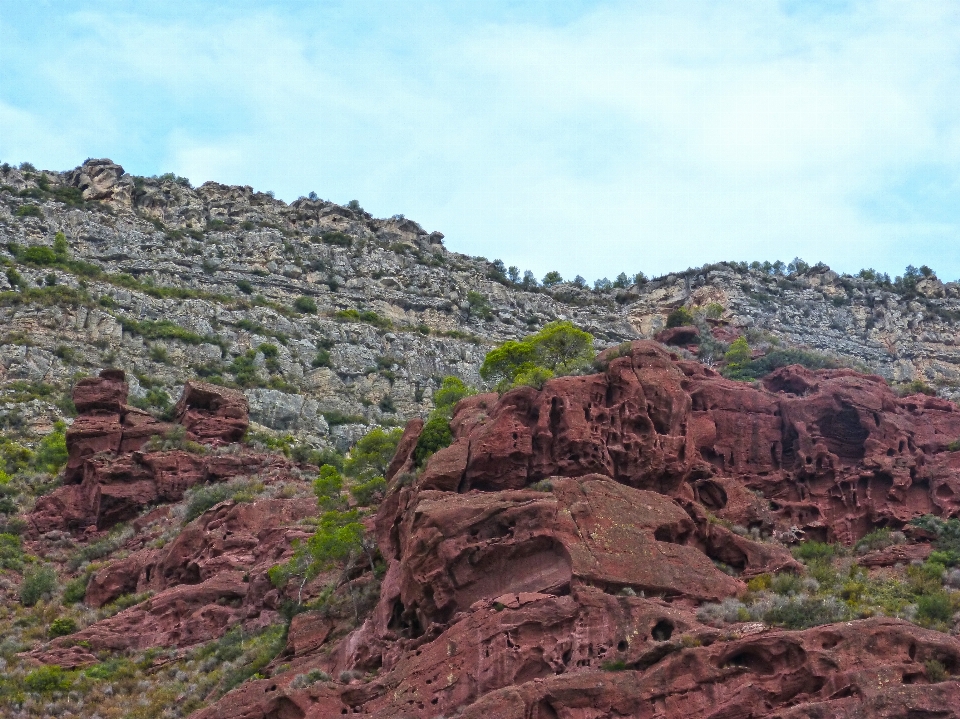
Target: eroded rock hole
x: 711, y: 495
x: 751, y: 660
x: 672, y: 533
x: 662, y: 630
x: 843, y: 433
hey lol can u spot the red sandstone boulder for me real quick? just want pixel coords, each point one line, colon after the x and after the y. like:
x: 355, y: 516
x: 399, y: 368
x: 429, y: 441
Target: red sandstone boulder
x: 870, y: 668
x: 212, y: 413
x: 91, y: 434
x: 117, y: 479
x: 107, y: 393
x: 403, y: 458
x: 210, y: 578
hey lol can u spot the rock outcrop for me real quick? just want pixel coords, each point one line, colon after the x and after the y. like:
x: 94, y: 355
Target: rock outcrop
x: 549, y: 562
x: 833, y: 452
x: 211, y: 577
x: 112, y: 473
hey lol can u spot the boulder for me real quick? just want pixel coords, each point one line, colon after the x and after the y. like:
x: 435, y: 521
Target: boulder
x: 211, y: 413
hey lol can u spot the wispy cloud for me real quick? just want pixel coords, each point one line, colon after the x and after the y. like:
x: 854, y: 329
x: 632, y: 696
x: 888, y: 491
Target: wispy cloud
x: 606, y: 137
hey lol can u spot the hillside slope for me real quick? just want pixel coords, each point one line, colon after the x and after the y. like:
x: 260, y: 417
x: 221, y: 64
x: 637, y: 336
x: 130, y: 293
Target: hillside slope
x: 648, y: 539
x: 172, y: 283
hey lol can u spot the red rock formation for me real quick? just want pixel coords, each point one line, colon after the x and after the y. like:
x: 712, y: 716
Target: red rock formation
x: 211, y: 413
x: 575, y: 597
x: 549, y: 563
x: 116, y: 477
x: 211, y: 577
x: 833, y: 452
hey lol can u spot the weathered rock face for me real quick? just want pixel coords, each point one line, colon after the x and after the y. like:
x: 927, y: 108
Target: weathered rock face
x: 212, y: 414
x: 834, y: 452
x: 586, y: 531
x: 109, y: 477
x: 549, y: 562
x: 679, y: 336
x: 211, y: 577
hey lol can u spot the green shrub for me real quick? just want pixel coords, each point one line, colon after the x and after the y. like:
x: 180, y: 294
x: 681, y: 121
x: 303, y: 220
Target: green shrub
x: 37, y: 581
x: 335, y: 418
x: 67, y: 354
x: 452, y: 390
x: 328, y: 487
x: 165, y: 330
x: 60, y: 246
x: 386, y: 404
x: 39, y: 255
x: 51, y: 454
x: 322, y: 359
x: 814, y: 551
x: 615, y: 666
x: 11, y: 552
x: 786, y: 584
x: 804, y: 612
x: 371, y: 456
x: 877, y: 539
x: 436, y: 435
x: 62, y: 626
x: 760, y: 583
x: 48, y: 679
x: 29, y: 211
x: 369, y: 492
x: 244, y: 286
x: 680, y: 317
x: 934, y: 608
x: 306, y: 305
x: 936, y: 672
x: 335, y: 237
x: 350, y: 315
x: 559, y: 348
x: 158, y: 353
x: 99, y: 549
x: 76, y: 589
x: 714, y: 310
x: 308, y: 455
x: 478, y: 306
x: 946, y: 531
x: 917, y: 386
x: 532, y: 377
x: 201, y: 498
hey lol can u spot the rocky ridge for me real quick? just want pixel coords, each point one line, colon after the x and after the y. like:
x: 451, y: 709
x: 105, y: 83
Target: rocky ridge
x: 223, y: 267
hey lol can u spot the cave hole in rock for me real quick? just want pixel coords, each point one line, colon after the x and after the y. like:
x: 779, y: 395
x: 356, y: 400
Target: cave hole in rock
x: 672, y: 533
x: 750, y: 659
x: 912, y: 677
x: 622, y: 645
x: 829, y: 641
x: 662, y: 630
x: 843, y: 433
x: 711, y: 494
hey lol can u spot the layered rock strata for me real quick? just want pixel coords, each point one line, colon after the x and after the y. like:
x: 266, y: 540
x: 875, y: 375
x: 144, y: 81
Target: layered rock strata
x: 549, y: 562
x: 112, y: 473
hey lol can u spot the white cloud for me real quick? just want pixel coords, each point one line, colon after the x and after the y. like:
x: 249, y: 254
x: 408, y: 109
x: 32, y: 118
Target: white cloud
x: 646, y: 136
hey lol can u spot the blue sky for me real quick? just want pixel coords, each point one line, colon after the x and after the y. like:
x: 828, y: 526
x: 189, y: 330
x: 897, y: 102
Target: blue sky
x: 587, y: 137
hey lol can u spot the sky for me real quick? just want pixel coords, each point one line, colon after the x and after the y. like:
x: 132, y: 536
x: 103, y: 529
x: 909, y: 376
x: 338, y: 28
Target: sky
x: 586, y: 137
